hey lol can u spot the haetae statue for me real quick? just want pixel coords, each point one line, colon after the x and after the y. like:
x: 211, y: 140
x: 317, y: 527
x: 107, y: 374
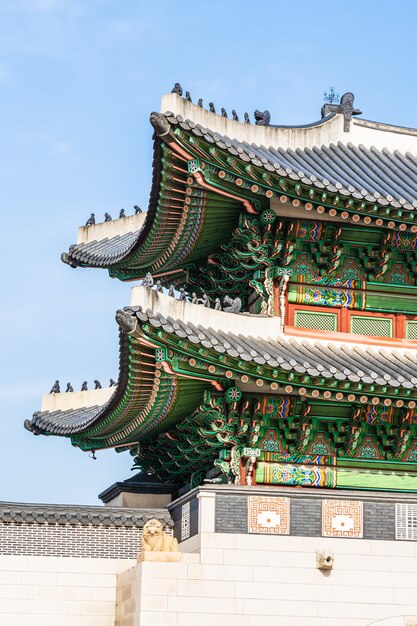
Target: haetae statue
x: 69, y: 388
x: 158, y: 287
x: 183, y: 294
x: 171, y: 291
x: 246, y: 118
x: 224, y: 112
x: 122, y: 213
x: 137, y: 209
x: 97, y: 384
x: 154, y: 539
x: 200, y: 102
x: 91, y: 220
x: 84, y: 386
x: 217, y: 305
x: 188, y: 96
x: 211, y: 107
x: 235, y: 115
x: 107, y: 217
x: 112, y: 383
x: 194, y: 299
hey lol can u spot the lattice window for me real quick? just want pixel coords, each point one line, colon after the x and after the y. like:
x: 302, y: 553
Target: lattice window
x: 411, y: 330
x: 406, y: 521
x: 371, y: 326
x: 185, y: 521
x: 316, y: 320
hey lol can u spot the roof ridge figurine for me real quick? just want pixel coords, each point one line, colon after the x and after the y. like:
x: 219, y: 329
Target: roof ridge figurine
x: 107, y: 217
x: 148, y: 281
x: 69, y: 388
x: 177, y: 89
x: 55, y: 387
x: 137, y: 209
x: 344, y: 107
x: 122, y: 214
x: 262, y: 118
x: 97, y: 384
x: 91, y: 220
x: 232, y: 305
x: 84, y: 386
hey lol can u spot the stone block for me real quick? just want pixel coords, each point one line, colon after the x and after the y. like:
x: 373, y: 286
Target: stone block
x: 210, y: 588
x: 280, y: 608
x: 154, y: 618
x: 205, y: 605
x: 163, y: 586
x: 159, y: 557
x: 221, y: 619
x: 225, y: 572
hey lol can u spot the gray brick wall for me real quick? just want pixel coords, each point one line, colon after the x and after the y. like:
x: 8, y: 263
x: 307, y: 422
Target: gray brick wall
x: 305, y: 517
x: 379, y: 520
x: 231, y: 514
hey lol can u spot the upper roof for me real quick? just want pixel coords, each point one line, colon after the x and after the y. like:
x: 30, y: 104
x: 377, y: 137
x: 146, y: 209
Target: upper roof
x: 208, y: 168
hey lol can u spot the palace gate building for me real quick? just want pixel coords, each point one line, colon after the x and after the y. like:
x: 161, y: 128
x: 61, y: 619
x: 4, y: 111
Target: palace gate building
x: 267, y: 384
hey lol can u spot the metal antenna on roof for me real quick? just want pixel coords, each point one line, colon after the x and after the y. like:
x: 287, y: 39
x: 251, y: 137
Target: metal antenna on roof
x: 331, y: 97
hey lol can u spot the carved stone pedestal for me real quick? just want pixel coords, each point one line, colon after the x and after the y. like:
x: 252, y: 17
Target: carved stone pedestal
x: 159, y: 557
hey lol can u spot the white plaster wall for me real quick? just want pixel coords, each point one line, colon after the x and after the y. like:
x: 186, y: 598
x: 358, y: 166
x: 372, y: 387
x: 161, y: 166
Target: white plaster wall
x: 104, y: 230
x: 76, y: 399
x: 247, y: 580
x: 51, y: 591
x: 361, y: 131
x: 249, y: 325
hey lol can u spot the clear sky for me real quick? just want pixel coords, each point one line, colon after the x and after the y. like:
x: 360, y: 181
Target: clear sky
x: 78, y: 79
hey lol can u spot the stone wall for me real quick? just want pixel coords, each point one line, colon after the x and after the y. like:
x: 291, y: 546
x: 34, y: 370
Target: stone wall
x: 247, y: 580
x: 56, y: 591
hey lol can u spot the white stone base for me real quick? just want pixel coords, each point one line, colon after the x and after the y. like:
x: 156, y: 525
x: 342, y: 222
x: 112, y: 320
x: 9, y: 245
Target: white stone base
x: 247, y: 580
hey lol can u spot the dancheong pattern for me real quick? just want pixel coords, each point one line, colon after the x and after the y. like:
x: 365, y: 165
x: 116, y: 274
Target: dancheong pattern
x: 269, y: 515
x: 295, y: 475
x: 342, y: 518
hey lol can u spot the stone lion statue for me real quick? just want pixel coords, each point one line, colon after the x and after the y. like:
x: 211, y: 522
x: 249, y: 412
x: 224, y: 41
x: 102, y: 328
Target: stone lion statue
x: 154, y: 539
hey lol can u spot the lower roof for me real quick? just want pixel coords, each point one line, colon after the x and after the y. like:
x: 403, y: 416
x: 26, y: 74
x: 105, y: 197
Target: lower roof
x: 156, y: 391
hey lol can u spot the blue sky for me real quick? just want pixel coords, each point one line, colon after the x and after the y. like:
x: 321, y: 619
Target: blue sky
x: 78, y: 79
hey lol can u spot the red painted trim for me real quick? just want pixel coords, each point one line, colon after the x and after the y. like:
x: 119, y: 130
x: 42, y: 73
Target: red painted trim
x: 343, y: 323
x: 392, y: 342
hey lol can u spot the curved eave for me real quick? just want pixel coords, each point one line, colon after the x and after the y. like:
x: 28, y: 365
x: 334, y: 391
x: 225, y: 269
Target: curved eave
x: 166, y: 364
x: 184, y: 224
x: 107, y: 252
x: 147, y: 400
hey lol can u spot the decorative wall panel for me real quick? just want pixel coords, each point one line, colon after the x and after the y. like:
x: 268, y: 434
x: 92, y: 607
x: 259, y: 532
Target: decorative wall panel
x: 342, y: 518
x: 269, y: 515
